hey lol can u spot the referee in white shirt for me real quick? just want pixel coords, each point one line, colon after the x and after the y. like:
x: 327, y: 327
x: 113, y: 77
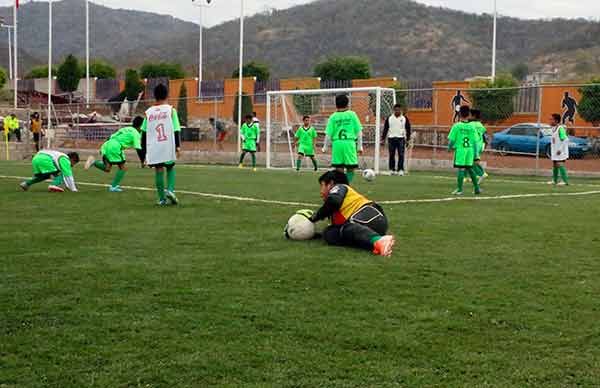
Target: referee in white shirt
x: 397, y: 131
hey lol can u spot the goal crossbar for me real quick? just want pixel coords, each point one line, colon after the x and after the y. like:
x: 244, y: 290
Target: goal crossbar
x: 332, y: 91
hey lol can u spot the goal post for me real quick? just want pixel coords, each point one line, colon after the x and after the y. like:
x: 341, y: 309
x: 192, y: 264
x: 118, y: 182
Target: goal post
x: 286, y: 108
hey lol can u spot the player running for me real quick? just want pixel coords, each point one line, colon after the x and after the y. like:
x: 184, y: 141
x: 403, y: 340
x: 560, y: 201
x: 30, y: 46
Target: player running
x: 344, y: 130
x: 480, y: 144
x: 161, y: 144
x: 48, y: 164
x: 463, y: 140
x: 306, y: 137
x: 559, y: 151
x: 355, y: 220
x: 250, y: 135
x: 112, y: 152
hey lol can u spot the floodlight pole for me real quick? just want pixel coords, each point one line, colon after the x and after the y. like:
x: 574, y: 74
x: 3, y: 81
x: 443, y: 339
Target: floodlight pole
x: 15, y: 52
x: 10, y: 57
x: 494, y: 41
x: 87, y: 52
x: 241, y: 75
x: 49, y: 69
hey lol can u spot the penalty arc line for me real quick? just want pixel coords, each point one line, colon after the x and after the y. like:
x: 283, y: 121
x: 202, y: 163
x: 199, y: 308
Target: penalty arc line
x: 288, y: 203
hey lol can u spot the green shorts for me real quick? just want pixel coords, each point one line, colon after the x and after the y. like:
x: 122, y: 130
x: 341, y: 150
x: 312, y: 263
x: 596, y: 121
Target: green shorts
x: 464, y: 158
x: 344, y: 154
x: 249, y: 145
x: 306, y: 150
x: 43, y: 165
x: 112, y: 152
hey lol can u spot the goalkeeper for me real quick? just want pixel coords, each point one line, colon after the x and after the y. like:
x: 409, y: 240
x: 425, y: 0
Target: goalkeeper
x: 355, y: 220
x: 53, y: 164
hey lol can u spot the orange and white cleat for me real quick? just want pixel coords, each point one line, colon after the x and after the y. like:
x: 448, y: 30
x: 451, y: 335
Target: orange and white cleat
x: 55, y: 189
x: 385, y: 246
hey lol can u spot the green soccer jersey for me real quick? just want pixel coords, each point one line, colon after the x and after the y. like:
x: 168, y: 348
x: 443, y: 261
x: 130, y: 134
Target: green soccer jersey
x: 128, y: 137
x: 343, y: 126
x: 251, y: 135
x: 463, y: 137
x: 306, y: 138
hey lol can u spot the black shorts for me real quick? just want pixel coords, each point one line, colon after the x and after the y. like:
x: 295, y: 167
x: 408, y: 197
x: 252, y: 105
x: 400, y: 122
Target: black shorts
x: 306, y: 155
x: 36, y: 137
x: 113, y: 162
x: 159, y: 165
x: 349, y: 166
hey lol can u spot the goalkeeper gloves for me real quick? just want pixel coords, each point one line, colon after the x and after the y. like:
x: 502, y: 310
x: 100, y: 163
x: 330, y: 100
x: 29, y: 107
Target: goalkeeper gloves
x: 306, y: 213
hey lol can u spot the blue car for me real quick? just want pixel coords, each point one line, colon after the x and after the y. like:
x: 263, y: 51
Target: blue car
x: 523, y: 138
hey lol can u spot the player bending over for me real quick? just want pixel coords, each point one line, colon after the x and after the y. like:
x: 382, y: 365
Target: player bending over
x: 463, y: 140
x: 355, y: 220
x: 48, y: 164
x: 345, y: 133
x: 480, y: 143
x: 306, y: 136
x: 559, y: 151
x: 250, y: 135
x: 112, y: 152
x: 161, y: 144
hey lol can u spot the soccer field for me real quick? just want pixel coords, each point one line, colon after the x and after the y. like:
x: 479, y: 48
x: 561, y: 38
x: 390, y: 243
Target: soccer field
x: 109, y: 290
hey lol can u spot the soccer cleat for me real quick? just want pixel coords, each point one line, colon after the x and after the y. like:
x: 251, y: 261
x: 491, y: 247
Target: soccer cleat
x: 116, y: 189
x: 562, y: 184
x: 457, y: 192
x: 55, y: 189
x: 24, y: 186
x: 172, y: 197
x: 88, y: 163
x: 393, y: 173
x: 478, y: 192
x: 401, y: 173
x: 384, y: 247
x: 240, y: 165
x: 162, y: 202
x: 483, y: 177
x: 551, y: 183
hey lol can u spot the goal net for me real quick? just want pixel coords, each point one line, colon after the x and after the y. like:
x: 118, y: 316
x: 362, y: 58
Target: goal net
x: 286, y: 109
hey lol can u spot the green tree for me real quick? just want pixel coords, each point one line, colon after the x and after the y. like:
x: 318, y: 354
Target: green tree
x: 307, y: 104
x: 247, y: 107
x: 163, y: 69
x: 589, y: 104
x: 133, y: 84
x: 254, y: 69
x: 495, y: 99
x: 520, y: 71
x: 69, y: 75
x: 2, y: 77
x: 40, y: 72
x: 102, y: 70
x: 182, y: 105
x: 343, y: 68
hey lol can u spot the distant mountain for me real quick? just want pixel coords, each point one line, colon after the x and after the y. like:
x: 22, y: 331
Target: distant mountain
x: 401, y: 37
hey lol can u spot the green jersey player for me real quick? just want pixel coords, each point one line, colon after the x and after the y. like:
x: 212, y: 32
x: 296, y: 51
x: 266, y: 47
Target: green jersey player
x: 306, y: 137
x: 344, y: 130
x: 48, y: 164
x: 462, y: 139
x: 250, y: 135
x: 112, y: 152
x: 481, y: 142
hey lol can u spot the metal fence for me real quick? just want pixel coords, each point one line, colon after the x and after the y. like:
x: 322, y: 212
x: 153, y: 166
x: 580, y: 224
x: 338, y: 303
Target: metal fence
x: 517, y: 121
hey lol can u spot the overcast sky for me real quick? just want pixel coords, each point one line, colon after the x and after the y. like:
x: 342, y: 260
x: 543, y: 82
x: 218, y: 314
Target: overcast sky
x: 221, y: 10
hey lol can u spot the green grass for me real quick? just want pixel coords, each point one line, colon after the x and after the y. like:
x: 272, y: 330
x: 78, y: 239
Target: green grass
x: 108, y: 290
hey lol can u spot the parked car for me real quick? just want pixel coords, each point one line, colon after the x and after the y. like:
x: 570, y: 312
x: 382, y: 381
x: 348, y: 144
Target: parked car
x: 523, y: 138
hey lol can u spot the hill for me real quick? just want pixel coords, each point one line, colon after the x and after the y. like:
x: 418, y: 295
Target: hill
x: 401, y: 37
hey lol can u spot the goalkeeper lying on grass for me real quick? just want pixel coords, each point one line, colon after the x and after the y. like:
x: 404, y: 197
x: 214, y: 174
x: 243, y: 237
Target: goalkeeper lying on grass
x: 355, y: 220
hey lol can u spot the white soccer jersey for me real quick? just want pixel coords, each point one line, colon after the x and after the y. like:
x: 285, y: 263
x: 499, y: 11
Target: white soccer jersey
x: 559, y: 148
x: 160, y: 135
x: 68, y: 178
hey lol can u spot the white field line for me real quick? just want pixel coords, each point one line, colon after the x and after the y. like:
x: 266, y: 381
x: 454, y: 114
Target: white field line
x: 521, y: 182
x: 286, y: 203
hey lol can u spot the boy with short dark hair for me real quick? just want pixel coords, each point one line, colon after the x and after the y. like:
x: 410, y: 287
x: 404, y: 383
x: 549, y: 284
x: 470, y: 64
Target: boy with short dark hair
x: 161, y: 144
x: 344, y: 131
x: 112, y: 152
x: 48, y: 164
x: 306, y: 137
x: 559, y: 151
x: 355, y: 220
x: 462, y: 139
x: 250, y: 136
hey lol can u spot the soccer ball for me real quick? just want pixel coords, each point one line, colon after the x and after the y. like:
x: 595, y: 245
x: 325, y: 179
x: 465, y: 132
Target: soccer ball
x: 299, y: 228
x: 369, y: 175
